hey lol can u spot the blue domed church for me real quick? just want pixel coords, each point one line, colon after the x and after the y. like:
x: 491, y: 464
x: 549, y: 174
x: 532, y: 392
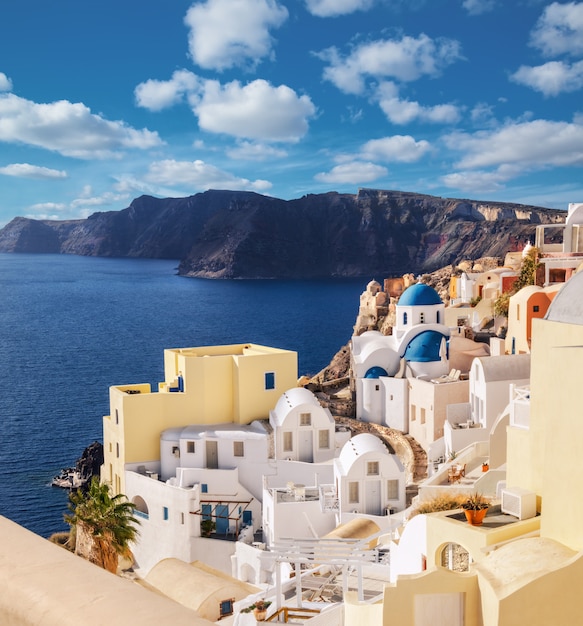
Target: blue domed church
x: 417, y: 348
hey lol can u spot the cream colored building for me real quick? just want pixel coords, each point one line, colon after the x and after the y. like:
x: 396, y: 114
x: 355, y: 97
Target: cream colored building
x: 206, y: 385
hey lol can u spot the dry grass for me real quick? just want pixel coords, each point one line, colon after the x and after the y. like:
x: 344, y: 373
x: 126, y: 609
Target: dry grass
x: 444, y: 502
x: 64, y: 540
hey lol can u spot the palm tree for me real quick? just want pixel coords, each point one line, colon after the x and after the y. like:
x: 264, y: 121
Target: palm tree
x: 103, y: 525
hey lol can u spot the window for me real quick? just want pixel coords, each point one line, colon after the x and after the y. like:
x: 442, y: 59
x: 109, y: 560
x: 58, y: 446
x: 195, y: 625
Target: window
x: 535, y: 308
x: 288, y: 441
x: 377, y: 387
x: 404, y: 319
x: 204, y: 488
x: 372, y: 468
x: 226, y: 608
x: 190, y: 448
x: 238, y: 448
x: 117, y: 450
x: 116, y: 416
x: 437, y: 317
x: 412, y: 412
x: 207, y: 511
x: 324, y: 439
x: 269, y: 380
x: 182, y: 518
x: 305, y: 419
x: 392, y: 489
x: 165, y: 513
x: 353, y: 493
x: 422, y: 415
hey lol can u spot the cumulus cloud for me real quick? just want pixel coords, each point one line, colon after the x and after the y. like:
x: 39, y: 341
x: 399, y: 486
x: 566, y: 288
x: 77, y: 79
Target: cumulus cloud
x: 199, y: 175
x: 559, y: 29
x: 398, y: 148
x: 5, y: 83
x: 406, y: 59
x: 332, y: 8
x: 92, y: 201
x: 248, y: 151
x: 477, y: 181
x: 353, y: 173
x: 477, y: 7
x: 232, y: 33
x: 156, y: 95
x: 536, y: 144
x: 401, y: 111
x: 552, y: 78
x: 257, y: 111
x: 26, y: 170
x: 69, y: 129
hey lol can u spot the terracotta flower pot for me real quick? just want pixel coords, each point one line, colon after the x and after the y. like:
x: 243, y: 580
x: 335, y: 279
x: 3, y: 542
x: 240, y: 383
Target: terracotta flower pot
x: 475, y: 517
x: 260, y: 615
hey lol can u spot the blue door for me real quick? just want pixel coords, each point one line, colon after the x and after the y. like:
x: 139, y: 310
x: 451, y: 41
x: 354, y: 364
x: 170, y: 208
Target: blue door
x: 222, y: 513
x: 247, y: 518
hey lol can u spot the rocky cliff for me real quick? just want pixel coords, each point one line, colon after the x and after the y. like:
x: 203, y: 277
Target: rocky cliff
x: 236, y: 234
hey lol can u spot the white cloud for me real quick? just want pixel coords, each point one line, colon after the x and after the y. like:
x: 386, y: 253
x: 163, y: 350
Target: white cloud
x: 476, y: 181
x: 401, y: 148
x: 199, y: 175
x: 156, y: 95
x: 352, y: 173
x: 256, y: 111
x: 400, y: 111
x: 477, y: 7
x: 67, y: 128
x: 552, y: 78
x: 48, y: 206
x: 5, y: 82
x: 25, y: 170
x: 559, y: 29
x: 247, y: 151
x: 536, y: 144
x: 332, y: 8
x: 232, y: 33
x: 406, y: 59
x: 105, y: 199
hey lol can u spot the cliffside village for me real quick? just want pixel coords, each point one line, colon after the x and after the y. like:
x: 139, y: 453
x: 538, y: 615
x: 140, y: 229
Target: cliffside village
x: 250, y: 487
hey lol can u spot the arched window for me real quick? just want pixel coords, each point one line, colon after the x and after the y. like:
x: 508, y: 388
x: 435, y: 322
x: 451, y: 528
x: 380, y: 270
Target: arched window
x: 405, y: 318
x: 437, y: 317
x: 455, y: 558
x: 141, y: 507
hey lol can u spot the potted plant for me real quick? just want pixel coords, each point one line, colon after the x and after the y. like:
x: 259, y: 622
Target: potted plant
x: 207, y: 527
x: 485, y: 466
x: 259, y: 608
x: 476, y: 507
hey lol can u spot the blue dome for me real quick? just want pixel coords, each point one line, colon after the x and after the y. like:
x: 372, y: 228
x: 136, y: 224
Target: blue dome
x: 419, y: 295
x: 425, y: 347
x: 375, y: 372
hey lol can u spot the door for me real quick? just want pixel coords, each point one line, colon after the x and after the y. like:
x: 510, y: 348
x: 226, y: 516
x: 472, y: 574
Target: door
x: 222, y: 513
x: 212, y: 455
x: 306, y: 446
x: 373, y: 497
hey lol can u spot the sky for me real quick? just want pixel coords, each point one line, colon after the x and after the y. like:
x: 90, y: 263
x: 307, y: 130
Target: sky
x: 102, y: 102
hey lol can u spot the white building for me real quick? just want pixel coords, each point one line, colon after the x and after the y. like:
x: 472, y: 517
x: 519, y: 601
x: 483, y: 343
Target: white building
x: 368, y: 479
x: 303, y: 429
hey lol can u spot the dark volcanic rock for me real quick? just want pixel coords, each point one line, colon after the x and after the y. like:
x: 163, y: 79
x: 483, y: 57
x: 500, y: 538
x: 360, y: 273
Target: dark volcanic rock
x: 237, y: 234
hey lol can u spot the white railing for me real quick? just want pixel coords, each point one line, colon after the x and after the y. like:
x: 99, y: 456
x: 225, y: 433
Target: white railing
x: 520, y: 406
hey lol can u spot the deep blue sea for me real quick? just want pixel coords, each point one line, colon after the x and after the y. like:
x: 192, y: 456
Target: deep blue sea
x: 72, y: 326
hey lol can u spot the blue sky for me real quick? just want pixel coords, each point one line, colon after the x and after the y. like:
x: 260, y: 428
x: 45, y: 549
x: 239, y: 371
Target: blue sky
x: 101, y: 102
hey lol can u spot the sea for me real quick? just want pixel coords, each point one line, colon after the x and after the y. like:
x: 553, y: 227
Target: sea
x: 73, y: 326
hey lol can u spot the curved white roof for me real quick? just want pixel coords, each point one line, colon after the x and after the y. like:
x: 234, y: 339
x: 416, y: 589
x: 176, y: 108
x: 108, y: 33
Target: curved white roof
x: 292, y: 398
x: 358, y: 446
x: 567, y: 307
x: 505, y: 367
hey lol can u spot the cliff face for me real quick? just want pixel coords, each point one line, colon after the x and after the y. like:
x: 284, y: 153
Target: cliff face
x: 224, y: 234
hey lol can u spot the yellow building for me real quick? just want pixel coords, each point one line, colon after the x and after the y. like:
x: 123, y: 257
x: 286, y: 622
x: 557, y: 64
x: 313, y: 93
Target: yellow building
x: 206, y: 385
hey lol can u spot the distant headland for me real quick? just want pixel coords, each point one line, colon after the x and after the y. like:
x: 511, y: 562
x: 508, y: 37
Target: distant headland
x: 240, y: 234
